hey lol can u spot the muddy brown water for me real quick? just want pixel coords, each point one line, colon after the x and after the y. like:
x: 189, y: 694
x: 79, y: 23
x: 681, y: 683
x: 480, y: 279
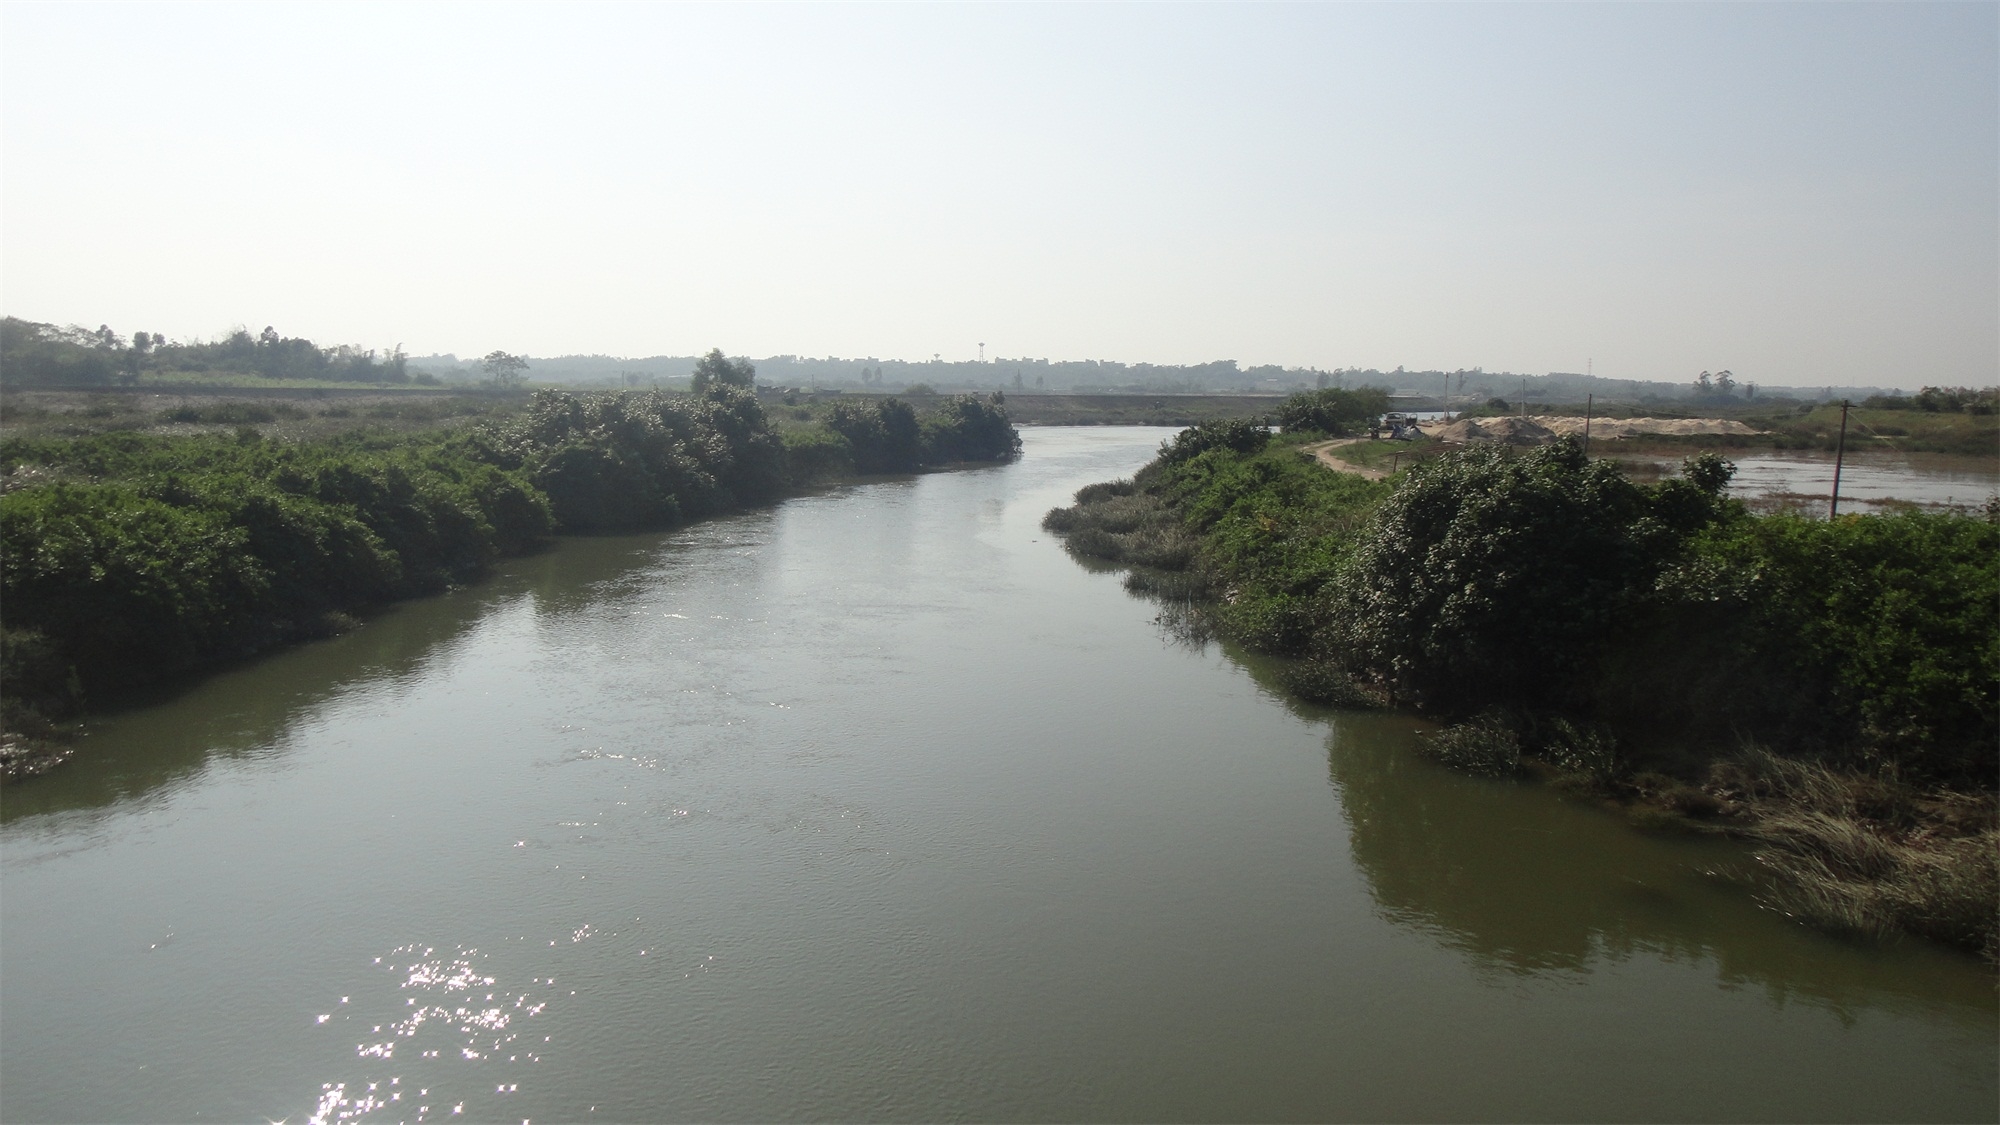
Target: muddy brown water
x: 877, y: 806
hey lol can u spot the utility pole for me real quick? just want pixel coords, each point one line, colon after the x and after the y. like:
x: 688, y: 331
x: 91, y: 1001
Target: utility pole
x: 1839, y: 454
x: 1588, y: 402
x: 1524, y: 398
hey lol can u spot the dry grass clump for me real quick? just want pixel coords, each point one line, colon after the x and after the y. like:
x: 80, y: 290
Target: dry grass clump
x: 1869, y: 856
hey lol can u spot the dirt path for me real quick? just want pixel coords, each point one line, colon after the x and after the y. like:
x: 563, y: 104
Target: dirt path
x: 1323, y: 452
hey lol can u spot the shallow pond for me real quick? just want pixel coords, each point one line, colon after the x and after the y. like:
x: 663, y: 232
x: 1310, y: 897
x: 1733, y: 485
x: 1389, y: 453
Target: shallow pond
x: 875, y: 805
x: 1802, y: 479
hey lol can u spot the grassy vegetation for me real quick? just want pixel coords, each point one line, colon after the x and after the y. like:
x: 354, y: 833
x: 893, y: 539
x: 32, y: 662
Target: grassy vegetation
x: 1625, y: 638
x: 1387, y: 456
x: 130, y: 557
x: 178, y: 379
x: 1903, y: 431
x: 1865, y: 854
x: 301, y: 416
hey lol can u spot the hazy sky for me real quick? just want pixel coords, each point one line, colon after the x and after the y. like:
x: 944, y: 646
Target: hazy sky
x: 1805, y: 194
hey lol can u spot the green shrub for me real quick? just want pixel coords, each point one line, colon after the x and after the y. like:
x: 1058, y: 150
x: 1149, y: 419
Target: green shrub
x: 1333, y: 412
x: 968, y: 428
x: 1326, y: 682
x: 120, y: 581
x: 1495, y: 578
x: 1104, y: 490
x: 1484, y: 748
x: 154, y: 555
x: 1872, y: 633
x: 816, y: 452
x: 1238, y: 435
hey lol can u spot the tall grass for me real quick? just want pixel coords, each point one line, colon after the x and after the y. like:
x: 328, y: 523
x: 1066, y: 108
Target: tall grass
x: 1869, y: 856
x: 1117, y: 523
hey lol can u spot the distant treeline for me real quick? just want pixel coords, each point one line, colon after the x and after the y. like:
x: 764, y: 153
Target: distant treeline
x: 1941, y: 400
x: 1046, y: 376
x: 127, y: 558
x: 51, y: 355
x: 48, y: 355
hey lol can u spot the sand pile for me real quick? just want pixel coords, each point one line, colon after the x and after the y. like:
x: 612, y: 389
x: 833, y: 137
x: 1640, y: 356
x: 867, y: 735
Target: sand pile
x: 1506, y: 431
x: 1540, y: 429
x: 1626, y: 427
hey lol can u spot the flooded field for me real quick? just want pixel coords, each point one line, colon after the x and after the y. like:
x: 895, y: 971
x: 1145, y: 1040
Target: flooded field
x: 1802, y: 480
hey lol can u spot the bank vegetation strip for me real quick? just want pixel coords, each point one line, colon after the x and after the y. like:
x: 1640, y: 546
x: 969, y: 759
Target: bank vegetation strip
x: 130, y: 558
x: 1825, y: 688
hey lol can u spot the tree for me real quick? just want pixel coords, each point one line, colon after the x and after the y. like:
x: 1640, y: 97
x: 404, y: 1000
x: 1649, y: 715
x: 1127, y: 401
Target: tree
x: 1333, y: 412
x: 1491, y: 578
x: 506, y: 371
x: 1725, y: 381
x: 718, y: 370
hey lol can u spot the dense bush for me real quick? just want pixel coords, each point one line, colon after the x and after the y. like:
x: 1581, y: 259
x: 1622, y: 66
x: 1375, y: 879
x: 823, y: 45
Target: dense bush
x: 1612, y: 631
x: 883, y: 435
x: 1869, y: 635
x: 1238, y: 435
x: 1591, y: 612
x: 641, y: 459
x: 968, y: 428
x: 165, y: 554
x: 887, y: 435
x: 1333, y: 412
x: 1491, y: 578
x: 148, y: 556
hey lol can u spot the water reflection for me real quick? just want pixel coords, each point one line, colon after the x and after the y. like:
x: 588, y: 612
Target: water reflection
x: 1871, y: 480
x: 139, y: 748
x: 1529, y: 883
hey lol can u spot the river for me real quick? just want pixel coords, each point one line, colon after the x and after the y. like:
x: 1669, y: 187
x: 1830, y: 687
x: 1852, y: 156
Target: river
x: 876, y: 805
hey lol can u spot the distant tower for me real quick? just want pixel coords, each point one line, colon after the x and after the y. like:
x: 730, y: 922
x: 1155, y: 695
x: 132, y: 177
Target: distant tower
x: 982, y: 351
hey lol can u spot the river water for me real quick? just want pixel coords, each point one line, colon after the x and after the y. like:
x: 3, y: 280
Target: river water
x: 876, y: 805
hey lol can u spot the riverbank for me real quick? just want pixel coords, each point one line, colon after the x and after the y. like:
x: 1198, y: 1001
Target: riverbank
x: 1824, y: 688
x: 134, y: 557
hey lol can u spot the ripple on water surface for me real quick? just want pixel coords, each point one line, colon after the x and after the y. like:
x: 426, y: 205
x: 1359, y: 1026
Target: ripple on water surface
x: 446, y: 1015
